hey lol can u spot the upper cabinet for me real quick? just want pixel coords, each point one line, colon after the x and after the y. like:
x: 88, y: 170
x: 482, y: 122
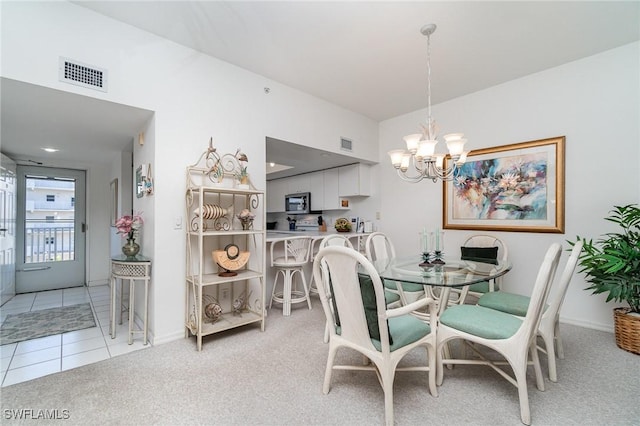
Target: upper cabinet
x: 354, y: 180
x: 299, y: 183
x: 329, y: 188
x: 276, y: 190
x: 316, y: 187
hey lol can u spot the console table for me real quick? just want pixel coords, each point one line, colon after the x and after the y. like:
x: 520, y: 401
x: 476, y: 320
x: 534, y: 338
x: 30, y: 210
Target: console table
x: 135, y: 269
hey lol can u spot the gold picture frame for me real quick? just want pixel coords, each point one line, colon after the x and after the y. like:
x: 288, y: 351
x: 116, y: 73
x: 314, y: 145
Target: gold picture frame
x: 517, y: 188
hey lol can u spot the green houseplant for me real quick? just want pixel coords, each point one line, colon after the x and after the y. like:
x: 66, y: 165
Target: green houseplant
x: 612, y: 266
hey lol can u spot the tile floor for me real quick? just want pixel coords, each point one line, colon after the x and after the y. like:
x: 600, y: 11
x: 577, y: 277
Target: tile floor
x: 35, y: 358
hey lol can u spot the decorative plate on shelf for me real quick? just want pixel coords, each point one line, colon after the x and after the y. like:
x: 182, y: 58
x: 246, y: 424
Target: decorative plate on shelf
x: 230, y: 259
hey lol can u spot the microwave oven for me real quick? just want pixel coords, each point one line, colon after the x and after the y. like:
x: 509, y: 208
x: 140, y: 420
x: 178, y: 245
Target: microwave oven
x: 297, y: 203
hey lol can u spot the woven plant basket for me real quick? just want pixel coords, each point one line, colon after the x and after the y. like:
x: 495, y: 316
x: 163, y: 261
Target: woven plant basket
x: 627, y: 330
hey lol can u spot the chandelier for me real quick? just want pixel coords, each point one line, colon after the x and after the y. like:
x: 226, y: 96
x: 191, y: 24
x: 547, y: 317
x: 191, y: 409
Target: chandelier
x: 419, y: 161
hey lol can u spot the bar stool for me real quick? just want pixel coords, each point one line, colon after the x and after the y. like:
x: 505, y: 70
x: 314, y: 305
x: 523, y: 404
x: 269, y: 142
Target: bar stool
x: 315, y: 248
x: 291, y: 254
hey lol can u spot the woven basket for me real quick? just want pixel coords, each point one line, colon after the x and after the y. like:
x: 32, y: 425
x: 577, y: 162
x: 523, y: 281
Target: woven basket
x: 627, y: 330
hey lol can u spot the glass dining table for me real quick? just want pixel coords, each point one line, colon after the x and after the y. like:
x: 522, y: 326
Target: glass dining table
x: 453, y: 273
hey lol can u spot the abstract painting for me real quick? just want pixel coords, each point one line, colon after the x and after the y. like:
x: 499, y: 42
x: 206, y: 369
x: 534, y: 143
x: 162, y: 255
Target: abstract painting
x: 517, y: 187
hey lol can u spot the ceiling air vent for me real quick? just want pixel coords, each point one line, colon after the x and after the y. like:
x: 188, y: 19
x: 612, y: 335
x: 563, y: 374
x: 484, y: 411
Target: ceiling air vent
x: 346, y: 144
x: 84, y: 75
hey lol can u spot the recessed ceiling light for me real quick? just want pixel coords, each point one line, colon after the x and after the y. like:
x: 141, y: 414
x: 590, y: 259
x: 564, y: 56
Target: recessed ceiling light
x: 272, y: 164
x: 50, y: 149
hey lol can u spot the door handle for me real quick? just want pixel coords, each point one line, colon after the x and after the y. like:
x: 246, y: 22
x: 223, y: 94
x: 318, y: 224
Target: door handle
x: 39, y: 268
x: 84, y: 227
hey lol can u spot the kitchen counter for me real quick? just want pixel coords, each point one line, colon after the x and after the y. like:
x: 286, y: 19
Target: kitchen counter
x: 277, y: 234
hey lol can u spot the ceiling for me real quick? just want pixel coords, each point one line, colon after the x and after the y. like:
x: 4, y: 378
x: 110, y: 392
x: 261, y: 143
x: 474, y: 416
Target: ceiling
x: 368, y: 57
x: 85, y: 130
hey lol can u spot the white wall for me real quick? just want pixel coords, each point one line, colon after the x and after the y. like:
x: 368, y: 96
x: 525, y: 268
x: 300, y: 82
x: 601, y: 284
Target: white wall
x: 193, y: 96
x: 594, y: 102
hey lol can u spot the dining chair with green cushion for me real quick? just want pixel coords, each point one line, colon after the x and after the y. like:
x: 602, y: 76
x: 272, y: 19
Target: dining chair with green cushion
x: 380, y: 249
x: 488, y: 248
x: 386, y: 338
x: 512, y: 337
x: 549, y: 328
x: 393, y: 299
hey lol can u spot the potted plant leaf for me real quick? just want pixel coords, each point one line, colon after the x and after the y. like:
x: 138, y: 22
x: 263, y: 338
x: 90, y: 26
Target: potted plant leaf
x: 612, y: 266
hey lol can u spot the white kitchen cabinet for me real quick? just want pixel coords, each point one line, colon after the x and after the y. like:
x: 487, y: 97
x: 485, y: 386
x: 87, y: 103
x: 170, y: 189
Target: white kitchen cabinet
x: 298, y: 184
x: 276, y: 191
x: 316, y: 187
x: 332, y: 199
x: 354, y: 180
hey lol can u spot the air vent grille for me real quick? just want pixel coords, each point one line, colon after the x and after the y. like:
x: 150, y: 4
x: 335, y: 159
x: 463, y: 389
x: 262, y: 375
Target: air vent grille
x: 84, y: 75
x: 346, y: 144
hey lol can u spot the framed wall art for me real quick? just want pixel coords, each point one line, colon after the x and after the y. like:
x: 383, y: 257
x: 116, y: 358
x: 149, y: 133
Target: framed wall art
x: 113, y: 198
x: 517, y: 187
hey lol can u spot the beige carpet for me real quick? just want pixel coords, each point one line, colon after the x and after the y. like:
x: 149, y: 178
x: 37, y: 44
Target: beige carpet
x: 246, y: 376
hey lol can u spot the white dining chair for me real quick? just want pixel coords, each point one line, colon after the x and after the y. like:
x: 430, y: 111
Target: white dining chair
x: 354, y: 304
x: 380, y: 250
x: 484, y: 246
x: 549, y: 328
x: 506, y: 334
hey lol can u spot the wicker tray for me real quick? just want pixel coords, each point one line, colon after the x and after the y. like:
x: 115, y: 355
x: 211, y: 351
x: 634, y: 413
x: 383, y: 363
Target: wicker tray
x: 627, y: 329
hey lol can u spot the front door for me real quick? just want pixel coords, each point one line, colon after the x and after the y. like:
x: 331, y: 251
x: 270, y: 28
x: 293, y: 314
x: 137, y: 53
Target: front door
x: 51, y: 229
x: 7, y: 228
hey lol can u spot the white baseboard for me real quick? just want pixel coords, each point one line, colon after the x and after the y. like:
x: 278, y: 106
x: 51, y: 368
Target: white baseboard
x: 588, y: 324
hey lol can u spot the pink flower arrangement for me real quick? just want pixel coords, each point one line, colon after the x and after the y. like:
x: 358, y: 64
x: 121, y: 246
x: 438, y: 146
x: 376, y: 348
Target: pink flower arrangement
x: 128, y: 225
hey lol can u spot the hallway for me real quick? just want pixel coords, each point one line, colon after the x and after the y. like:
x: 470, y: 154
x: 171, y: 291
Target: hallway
x: 35, y: 358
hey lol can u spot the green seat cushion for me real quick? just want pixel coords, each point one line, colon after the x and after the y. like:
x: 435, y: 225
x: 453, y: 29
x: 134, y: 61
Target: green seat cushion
x: 406, y: 287
x: 510, y: 303
x: 481, y: 321
x: 405, y: 329
x: 481, y: 287
x: 391, y: 297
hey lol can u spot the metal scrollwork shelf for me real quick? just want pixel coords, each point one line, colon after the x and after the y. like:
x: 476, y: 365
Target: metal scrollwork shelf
x: 214, y: 197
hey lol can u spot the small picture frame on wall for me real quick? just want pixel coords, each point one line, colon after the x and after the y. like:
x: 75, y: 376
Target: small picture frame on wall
x: 517, y: 187
x: 113, y: 198
x: 139, y: 182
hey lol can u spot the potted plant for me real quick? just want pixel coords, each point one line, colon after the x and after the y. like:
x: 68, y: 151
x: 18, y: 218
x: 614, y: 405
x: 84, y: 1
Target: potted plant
x: 612, y: 266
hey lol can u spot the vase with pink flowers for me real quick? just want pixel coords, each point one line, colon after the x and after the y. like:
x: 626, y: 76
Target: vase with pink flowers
x: 129, y: 226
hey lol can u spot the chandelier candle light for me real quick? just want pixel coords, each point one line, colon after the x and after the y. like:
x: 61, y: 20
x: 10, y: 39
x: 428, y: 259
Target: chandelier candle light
x: 420, y: 155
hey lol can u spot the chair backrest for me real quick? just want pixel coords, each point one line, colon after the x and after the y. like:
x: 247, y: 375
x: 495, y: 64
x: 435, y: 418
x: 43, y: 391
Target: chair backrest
x: 379, y: 249
x: 559, y: 291
x: 485, y: 240
x: 540, y: 291
x: 335, y: 240
x: 336, y: 272
x: 291, y: 251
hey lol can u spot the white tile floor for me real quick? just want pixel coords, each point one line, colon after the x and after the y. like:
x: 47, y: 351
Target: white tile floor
x: 35, y: 358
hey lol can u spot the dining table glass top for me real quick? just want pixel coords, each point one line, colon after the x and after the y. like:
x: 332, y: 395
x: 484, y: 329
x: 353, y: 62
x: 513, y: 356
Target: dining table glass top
x: 453, y: 273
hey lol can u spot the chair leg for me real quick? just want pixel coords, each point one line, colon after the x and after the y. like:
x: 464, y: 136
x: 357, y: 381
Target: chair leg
x: 273, y: 290
x: 439, y: 364
x: 306, y: 288
x: 387, y: 386
x: 329, y: 369
x: 523, y: 395
x: 535, y: 359
x: 559, y: 347
x: 286, y: 294
x: 431, y: 355
x: 551, y: 357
